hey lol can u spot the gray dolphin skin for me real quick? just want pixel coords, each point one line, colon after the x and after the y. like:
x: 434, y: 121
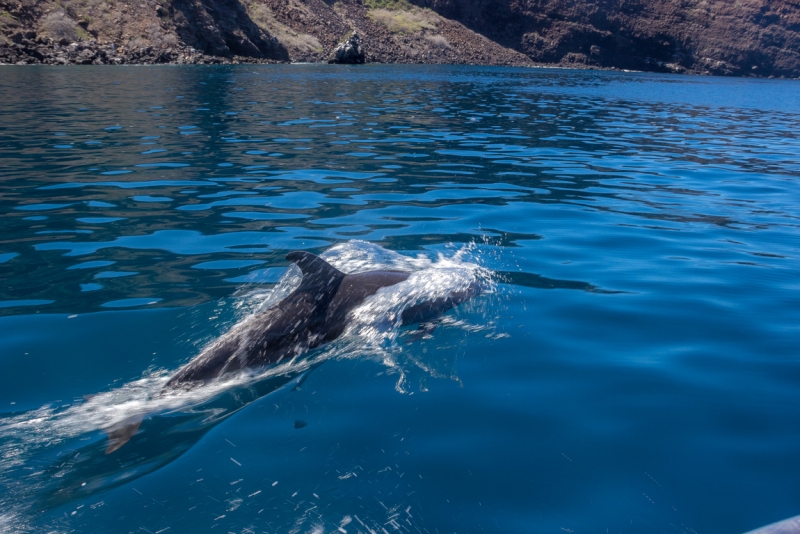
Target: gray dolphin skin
x: 313, y: 314
x: 787, y: 526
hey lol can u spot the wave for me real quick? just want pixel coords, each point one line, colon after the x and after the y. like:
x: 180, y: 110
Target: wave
x: 57, y: 454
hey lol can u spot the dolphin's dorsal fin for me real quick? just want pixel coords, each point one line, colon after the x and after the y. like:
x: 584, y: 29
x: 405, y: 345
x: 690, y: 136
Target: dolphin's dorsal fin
x: 315, y: 269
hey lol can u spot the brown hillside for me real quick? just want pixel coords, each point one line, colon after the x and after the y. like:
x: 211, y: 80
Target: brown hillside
x: 745, y: 37
x: 733, y: 37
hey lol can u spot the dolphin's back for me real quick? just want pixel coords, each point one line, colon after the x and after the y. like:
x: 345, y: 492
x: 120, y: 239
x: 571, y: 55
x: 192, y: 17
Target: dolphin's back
x: 239, y: 347
x: 313, y: 314
x: 355, y: 288
x: 273, y: 334
x: 352, y: 292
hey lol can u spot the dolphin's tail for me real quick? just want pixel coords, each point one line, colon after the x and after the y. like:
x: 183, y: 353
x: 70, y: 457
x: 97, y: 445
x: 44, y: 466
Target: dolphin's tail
x: 121, y: 434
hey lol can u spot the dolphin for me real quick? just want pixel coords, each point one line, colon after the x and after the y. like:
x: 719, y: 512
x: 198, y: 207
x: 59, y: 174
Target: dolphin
x: 787, y: 526
x: 314, y: 314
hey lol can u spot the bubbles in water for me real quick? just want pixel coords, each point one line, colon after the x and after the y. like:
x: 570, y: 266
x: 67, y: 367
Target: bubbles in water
x: 374, y: 331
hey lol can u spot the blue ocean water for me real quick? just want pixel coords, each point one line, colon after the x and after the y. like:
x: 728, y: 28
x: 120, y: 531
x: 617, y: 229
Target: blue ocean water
x: 633, y: 364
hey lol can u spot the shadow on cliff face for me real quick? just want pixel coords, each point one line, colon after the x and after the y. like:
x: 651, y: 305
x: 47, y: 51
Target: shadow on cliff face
x: 723, y: 38
x: 223, y: 28
x: 608, y: 46
x: 558, y: 32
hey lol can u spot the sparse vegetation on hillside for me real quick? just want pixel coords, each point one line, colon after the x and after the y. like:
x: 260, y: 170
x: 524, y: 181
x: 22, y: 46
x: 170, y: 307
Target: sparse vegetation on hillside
x: 160, y: 39
x: 400, y: 16
x: 347, y: 35
x: 91, y: 19
x: 396, y: 5
x: 438, y: 41
x: 60, y: 28
x: 6, y: 18
x: 263, y: 17
x: 403, y: 21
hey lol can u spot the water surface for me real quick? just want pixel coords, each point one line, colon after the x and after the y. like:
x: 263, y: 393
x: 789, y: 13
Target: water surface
x: 633, y: 365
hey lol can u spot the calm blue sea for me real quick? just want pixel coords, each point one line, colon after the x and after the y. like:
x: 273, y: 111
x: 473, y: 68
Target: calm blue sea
x: 632, y: 365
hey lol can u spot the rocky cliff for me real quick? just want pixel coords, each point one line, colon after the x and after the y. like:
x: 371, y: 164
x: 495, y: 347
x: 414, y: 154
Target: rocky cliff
x: 744, y: 37
x: 728, y: 37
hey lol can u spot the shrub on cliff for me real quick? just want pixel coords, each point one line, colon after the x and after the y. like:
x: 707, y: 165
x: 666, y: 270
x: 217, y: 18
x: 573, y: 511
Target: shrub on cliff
x: 404, y: 22
x: 59, y: 27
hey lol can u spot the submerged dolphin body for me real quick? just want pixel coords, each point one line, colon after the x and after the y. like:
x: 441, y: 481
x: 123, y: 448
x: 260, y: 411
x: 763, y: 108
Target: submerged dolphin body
x: 313, y: 314
x: 162, y: 421
x: 787, y: 526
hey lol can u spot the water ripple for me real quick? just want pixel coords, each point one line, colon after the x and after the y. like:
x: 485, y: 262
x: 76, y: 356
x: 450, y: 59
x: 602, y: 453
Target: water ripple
x: 643, y: 231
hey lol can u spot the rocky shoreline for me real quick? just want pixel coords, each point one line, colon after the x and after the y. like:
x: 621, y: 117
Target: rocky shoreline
x: 43, y: 51
x: 29, y: 49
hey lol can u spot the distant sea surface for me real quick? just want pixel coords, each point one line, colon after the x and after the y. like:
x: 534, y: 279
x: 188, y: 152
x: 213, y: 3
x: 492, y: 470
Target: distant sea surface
x: 631, y: 365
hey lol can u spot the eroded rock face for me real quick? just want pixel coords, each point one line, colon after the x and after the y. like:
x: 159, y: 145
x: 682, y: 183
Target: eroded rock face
x: 223, y: 28
x: 351, y: 51
x: 746, y: 37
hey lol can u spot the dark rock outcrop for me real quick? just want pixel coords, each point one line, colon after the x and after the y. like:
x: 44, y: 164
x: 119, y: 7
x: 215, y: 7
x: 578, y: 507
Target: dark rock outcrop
x: 223, y: 28
x: 350, y: 51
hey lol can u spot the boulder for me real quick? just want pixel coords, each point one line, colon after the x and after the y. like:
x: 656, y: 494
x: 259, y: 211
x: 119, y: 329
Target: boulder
x: 351, y: 51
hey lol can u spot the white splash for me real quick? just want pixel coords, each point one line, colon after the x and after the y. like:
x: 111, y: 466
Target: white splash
x: 373, y: 332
